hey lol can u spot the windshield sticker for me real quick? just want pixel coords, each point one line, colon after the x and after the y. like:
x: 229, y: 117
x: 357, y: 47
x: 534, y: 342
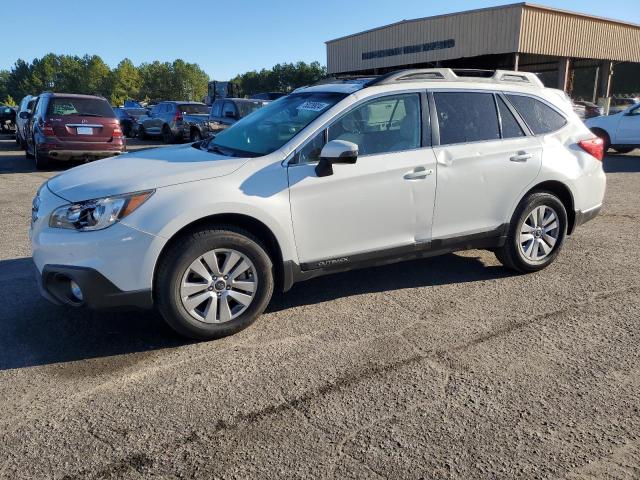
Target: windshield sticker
x: 313, y: 106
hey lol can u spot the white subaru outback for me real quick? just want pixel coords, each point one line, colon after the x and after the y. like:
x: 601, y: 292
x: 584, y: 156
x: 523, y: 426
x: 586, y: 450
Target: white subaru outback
x: 330, y: 178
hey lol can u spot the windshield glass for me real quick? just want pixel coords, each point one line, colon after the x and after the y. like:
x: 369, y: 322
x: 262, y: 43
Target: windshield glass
x: 245, y: 108
x: 92, y: 107
x: 269, y: 128
x: 194, y: 109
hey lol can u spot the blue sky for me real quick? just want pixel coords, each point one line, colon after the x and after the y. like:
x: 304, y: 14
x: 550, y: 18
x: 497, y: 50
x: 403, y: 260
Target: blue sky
x: 224, y: 37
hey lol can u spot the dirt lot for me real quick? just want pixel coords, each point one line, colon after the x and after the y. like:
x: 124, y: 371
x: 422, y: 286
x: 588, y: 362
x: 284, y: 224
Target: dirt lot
x: 450, y: 367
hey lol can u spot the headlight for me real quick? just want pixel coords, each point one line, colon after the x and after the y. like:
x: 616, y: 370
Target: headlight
x: 97, y: 214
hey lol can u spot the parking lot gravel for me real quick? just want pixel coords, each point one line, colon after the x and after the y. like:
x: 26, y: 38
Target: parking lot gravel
x: 450, y: 367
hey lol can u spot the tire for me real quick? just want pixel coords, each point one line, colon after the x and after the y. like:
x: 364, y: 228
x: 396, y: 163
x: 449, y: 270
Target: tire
x: 623, y: 151
x: 27, y: 154
x: 40, y: 161
x: 605, y: 138
x: 521, y: 257
x: 142, y: 135
x: 210, y: 319
x: 195, y: 136
x: 167, y: 136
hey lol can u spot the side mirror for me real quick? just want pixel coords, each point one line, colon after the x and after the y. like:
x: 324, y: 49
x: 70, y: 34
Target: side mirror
x: 25, y: 115
x: 336, y: 151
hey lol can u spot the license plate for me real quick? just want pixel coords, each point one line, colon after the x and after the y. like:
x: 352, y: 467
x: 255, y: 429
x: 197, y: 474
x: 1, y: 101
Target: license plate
x: 85, y: 131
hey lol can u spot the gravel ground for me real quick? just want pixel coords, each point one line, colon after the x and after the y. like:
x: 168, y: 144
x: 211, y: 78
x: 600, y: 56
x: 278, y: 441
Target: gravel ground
x: 450, y: 367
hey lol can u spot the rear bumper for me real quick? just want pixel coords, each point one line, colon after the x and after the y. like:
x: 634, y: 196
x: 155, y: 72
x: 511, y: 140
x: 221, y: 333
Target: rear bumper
x: 82, y: 154
x: 584, y: 216
x: 97, y: 291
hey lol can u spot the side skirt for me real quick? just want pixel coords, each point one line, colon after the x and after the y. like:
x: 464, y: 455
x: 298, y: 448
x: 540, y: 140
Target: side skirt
x: 294, y: 273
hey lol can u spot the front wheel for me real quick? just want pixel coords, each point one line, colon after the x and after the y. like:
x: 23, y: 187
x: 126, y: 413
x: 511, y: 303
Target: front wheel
x: 214, y: 282
x: 537, y: 232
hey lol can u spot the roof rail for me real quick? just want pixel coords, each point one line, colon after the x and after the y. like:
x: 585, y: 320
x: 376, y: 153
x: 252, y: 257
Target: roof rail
x: 448, y: 74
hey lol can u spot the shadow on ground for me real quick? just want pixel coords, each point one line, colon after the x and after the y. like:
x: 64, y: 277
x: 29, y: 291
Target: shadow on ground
x: 621, y: 164
x: 33, y: 332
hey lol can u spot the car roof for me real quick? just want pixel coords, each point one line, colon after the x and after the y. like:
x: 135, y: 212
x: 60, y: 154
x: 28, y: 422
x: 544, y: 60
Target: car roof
x: 69, y: 95
x: 180, y: 102
x: 431, y: 78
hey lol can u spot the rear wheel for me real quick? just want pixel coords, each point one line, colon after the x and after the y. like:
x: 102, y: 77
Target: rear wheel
x: 623, y: 150
x: 195, y: 136
x: 536, y: 233
x: 214, y: 283
x: 167, y: 136
x: 142, y: 135
x: 41, y: 161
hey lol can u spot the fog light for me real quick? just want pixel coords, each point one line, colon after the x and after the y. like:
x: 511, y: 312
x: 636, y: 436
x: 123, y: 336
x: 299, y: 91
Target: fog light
x: 76, y: 291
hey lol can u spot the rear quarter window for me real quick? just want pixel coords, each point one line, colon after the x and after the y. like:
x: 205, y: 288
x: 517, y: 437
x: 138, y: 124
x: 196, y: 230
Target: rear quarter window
x: 540, y: 117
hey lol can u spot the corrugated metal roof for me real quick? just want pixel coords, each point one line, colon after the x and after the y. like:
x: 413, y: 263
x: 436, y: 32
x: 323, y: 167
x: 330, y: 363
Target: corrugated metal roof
x: 499, y: 7
x: 519, y: 27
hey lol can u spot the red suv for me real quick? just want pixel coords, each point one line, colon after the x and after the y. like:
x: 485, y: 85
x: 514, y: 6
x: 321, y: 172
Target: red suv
x: 72, y: 127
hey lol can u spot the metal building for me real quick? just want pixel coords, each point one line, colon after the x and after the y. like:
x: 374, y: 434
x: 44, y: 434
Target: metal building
x: 575, y: 52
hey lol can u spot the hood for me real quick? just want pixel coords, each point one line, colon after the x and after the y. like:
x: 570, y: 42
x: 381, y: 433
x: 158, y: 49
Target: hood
x: 145, y: 170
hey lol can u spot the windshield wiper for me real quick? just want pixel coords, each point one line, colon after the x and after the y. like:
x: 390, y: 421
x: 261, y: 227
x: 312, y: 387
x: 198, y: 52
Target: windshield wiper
x: 89, y: 115
x: 216, y: 149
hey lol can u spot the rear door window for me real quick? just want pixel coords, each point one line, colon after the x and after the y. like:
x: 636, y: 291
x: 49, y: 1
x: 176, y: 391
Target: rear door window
x: 540, y: 117
x: 465, y: 117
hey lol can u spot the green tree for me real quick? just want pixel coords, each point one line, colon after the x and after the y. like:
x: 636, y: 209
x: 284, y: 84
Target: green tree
x: 9, y: 101
x: 190, y: 82
x: 125, y: 82
x: 283, y: 77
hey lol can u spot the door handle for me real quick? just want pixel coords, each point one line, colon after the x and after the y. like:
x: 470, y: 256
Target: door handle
x: 418, y: 173
x: 521, y: 157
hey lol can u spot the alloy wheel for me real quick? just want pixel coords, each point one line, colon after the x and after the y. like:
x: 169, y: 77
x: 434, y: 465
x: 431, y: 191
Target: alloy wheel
x: 539, y: 233
x: 218, y: 286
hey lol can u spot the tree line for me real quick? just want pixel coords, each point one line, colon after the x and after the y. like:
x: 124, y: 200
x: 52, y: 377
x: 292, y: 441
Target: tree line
x: 153, y: 81
x: 91, y: 75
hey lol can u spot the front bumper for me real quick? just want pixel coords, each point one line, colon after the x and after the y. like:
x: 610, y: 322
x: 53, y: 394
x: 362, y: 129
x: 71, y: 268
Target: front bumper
x: 98, y: 292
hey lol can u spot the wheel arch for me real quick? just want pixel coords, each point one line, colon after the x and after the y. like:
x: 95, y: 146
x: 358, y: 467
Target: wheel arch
x: 250, y: 224
x: 561, y: 191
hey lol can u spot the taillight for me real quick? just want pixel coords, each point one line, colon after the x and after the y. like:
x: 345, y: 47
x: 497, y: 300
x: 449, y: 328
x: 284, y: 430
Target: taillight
x: 47, y: 130
x: 178, y: 117
x: 117, y: 132
x: 594, y: 147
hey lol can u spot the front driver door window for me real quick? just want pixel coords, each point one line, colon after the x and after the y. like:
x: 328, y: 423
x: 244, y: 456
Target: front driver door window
x: 380, y: 202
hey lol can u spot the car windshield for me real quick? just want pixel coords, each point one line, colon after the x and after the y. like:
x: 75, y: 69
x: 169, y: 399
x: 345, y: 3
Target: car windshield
x: 194, y: 109
x: 89, y: 107
x: 269, y: 128
x: 245, y: 108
